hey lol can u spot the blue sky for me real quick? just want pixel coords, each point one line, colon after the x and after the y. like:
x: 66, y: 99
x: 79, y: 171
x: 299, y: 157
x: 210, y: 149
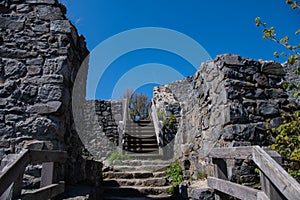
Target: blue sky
x: 219, y: 26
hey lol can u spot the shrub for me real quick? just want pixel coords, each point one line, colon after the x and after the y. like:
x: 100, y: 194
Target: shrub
x: 174, y: 174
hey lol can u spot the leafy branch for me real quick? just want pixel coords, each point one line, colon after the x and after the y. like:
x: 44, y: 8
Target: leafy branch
x: 287, y: 141
x: 269, y: 33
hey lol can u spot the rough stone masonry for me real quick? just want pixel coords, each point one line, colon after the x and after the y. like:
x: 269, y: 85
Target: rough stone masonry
x: 40, y: 54
x: 227, y: 103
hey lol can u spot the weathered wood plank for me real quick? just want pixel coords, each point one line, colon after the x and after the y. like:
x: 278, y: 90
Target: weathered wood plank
x: 288, y: 186
x: 14, y: 170
x: 220, y: 171
x: 276, y: 156
x: 39, y: 156
x: 233, y: 189
x: 220, y: 168
x: 8, y: 194
x: 47, y: 174
x: 231, y: 153
x: 46, y: 192
x: 262, y: 196
x: 269, y: 188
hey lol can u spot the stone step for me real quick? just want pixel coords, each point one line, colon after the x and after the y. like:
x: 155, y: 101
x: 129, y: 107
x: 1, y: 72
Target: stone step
x: 140, y: 151
x: 147, y: 197
x: 150, y: 155
x: 150, y: 133
x: 146, y: 145
x: 140, y: 162
x: 133, y: 174
x: 152, y: 168
x: 131, y: 191
x: 141, y: 138
x: 153, y: 182
x: 81, y: 192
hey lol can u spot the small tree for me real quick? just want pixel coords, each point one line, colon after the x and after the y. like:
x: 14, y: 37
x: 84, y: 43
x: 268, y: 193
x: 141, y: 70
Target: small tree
x: 139, y: 106
x: 287, y: 141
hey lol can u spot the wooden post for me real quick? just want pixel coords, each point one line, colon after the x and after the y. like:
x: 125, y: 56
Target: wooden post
x: 220, y: 171
x: 18, y: 184
x: 47, y: 174
x: 120, y: 141
x: 269, y: 188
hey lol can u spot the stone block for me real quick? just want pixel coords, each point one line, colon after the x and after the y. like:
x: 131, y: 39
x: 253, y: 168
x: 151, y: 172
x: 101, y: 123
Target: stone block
x: 238, y: 113
x: 265, y: 108
x: 34, y: 70
x: 239, y: 132
x: 61, y: 26
x: 50, y: 92
x: 56, y: 66
x: 231, y: 60
x: 261, y: 79
x: 40, y: 1
x: 12, y: 22
x: 48, y: 12
x: 23, y: 8
x: 47, y: 108
x: 274, y: 68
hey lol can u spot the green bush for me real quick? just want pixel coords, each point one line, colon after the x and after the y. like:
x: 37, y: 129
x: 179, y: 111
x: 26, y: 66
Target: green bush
x: 161, y: 115
x: 174, y: 174
x: 287, y: 143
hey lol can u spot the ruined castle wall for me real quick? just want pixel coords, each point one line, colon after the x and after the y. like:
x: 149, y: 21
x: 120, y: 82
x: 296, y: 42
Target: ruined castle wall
x: 231, y: 100
x: 40, y: 54
x: 101, y: 133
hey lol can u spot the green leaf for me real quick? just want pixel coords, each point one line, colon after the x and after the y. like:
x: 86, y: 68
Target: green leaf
x: 257, y: 21
x: 276, y: 54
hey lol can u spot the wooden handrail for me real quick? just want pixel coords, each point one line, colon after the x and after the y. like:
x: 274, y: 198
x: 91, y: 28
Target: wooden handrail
x: 276, y: 182
x: 122, y: 124
x: 157, y: 127
x: 13, y: 172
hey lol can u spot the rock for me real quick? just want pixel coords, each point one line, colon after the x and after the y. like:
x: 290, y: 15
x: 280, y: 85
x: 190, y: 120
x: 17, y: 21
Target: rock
x: 48, y: 108
x: 238, y: 113
x: 265, y: 108
x: 12, y: 22
x: 35, y: 61
x: 48, y: 12
x: 239, y: 132
x: 201, y: 194
x: 276, y: 93
x: 61, y: 26
x: 248, y: 69
x: 274, y: 68
x: 50, y: 92
x: 14, y: 69
x: 23, y: 8
x: 40, y: 1
x: 34, y: 70
x: 231, y: 60
x: 261, y: 79
x: 276, y: 122
x: 56, y: 66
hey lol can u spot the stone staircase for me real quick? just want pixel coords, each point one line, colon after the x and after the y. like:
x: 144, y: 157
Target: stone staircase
x: 140, y: 138
x: 136, y: 180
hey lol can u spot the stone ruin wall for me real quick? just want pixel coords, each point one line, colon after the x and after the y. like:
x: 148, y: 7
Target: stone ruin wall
x: 101, y: 132
x: 227, y: 104
x: 41, y: 53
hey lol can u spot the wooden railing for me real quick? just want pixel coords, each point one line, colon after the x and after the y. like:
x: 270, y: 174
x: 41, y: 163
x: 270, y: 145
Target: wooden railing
x: 157, y: 127
x: 276, y: 183
x: 122, y: 125
x: 12, y: 174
